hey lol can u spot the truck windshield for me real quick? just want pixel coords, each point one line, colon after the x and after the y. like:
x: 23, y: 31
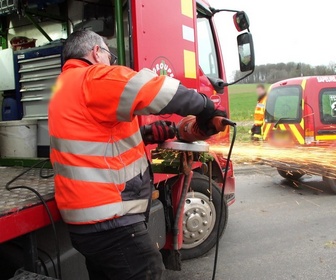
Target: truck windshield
x: 284, y: 103
x: 206, y: 48
x: 328, y: 106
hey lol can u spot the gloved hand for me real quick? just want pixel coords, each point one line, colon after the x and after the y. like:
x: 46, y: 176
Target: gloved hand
x: 204, y: 118
x: 157, y: 132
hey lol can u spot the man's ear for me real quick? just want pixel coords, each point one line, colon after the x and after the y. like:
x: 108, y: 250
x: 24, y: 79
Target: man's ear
x: 96, y: 54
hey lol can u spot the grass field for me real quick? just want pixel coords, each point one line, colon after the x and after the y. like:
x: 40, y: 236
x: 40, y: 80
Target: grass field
x: 242, y: 102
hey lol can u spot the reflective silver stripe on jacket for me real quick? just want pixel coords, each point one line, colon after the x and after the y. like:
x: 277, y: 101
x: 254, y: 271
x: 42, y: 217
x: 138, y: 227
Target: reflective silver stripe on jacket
x: 165, y: 95
x: 99, y: 175
x: 131, y: 91
x: 104, y: 212
x: 89, y: 148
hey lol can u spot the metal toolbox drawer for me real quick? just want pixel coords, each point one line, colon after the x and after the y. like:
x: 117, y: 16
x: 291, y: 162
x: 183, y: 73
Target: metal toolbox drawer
x: 40, y: 75
x: 43, y: 93
x: 34, y: 107
x: 40, y: 63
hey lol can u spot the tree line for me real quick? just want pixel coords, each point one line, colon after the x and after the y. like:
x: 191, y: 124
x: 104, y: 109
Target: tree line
x: 271, y: 73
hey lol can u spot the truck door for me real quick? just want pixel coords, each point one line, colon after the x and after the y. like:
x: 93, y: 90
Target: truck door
x: 211, y: 65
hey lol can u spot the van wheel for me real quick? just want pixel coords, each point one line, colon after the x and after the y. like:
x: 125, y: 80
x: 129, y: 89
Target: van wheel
x: 201, y: 218
x: 289, y: 174
x: 331, y: 183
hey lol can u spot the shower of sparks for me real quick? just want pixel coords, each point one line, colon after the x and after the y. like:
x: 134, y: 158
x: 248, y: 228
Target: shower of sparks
x: 309, y: 159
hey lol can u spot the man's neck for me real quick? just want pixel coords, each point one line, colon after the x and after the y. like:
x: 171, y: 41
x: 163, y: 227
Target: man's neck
x: 85, y: 60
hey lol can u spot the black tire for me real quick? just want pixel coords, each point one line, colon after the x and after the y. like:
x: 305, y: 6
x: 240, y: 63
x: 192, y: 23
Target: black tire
x: 200, y: 188
x: 331, y: 183
x: 290, y: 175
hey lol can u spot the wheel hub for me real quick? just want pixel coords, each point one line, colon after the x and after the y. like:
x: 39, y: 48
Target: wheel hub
x: 198, y: 220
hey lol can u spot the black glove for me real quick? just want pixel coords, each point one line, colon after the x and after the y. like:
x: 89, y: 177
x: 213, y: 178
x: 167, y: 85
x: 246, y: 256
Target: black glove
x: 256, y: 130
x: 157, y: 132
x: 210, y: 110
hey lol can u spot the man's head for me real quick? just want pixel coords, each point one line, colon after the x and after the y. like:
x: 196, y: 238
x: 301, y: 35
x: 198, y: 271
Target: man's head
x: 89, y: 45
x: 261, y: 90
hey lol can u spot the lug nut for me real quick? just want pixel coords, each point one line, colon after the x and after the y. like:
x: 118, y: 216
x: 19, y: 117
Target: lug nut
x: 192, y: 235
x: 203, y: 214
x: 205, y: 223
x: 200, y: 231
x: 188, y: 213
x: 196, y: 210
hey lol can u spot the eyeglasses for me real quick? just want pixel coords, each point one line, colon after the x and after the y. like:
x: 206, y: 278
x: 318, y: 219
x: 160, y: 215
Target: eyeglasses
x: 112, y: 57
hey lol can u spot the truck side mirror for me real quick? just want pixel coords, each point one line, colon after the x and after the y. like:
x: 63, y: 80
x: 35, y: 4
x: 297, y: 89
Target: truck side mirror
x: 218, y: 84
x: 246, y: 52
x: 241, y: 21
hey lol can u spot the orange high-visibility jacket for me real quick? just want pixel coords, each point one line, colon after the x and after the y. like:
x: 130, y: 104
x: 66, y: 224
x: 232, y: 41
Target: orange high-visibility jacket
x: 259, y: 112
x: 97, y: 152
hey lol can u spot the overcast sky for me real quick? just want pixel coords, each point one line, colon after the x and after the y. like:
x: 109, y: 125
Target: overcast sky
x: 283, y: 30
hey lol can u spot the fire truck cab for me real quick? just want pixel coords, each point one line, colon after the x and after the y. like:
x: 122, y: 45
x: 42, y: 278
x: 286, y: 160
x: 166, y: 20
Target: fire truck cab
x: 302, y: 111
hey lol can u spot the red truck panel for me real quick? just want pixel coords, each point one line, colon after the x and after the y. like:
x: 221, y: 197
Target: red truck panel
x: 26, y: 220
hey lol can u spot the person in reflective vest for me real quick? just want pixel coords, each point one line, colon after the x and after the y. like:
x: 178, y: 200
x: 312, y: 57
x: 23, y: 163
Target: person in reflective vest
x: 259, y: 113
x: 102, y: 177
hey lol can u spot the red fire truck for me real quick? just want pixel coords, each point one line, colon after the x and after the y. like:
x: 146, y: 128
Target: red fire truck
x: 175, y: 38
x: 302, y: 112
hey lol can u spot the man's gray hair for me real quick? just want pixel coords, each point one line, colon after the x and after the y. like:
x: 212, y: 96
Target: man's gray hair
x: 80, y: 43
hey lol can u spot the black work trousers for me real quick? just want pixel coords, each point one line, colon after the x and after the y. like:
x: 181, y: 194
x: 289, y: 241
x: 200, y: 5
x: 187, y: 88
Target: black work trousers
x: 120, y: 254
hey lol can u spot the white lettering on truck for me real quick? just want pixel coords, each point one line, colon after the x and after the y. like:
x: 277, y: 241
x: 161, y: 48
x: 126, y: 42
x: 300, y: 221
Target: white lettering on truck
x: 326, y: 79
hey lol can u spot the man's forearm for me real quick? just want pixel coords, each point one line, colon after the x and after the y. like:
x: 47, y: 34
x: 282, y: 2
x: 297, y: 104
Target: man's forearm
x: 185, y: 102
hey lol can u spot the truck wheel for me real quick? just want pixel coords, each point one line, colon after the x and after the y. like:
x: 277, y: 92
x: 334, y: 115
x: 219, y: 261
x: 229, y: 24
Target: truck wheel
x: 201, y: 218
x: 289, y: 174
x: 331, y: 183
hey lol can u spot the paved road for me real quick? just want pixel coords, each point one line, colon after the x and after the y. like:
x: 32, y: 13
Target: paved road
x: 276, y: 231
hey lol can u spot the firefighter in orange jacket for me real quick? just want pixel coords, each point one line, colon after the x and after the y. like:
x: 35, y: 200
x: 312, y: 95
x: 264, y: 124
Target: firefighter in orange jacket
x: 259, y: 113
x: 102, y: 178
